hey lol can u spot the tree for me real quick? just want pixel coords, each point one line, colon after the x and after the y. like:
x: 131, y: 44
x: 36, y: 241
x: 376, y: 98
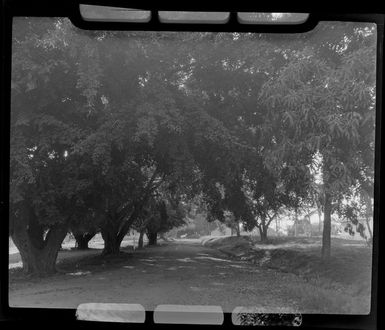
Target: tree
x: 274, y: 182
x: 136, y: 140
x: 356, y: 208
x: 110, y: 129
x: 48, y: 186
x: 84, y: 228
x: 82, y: 239
x: 232, y: 223
x: 140, y: 226
x: 325, y: 97
x: 163, y: 215
x: 228, y: 78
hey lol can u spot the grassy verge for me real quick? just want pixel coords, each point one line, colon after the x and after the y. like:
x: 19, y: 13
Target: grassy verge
x: 341, y: 283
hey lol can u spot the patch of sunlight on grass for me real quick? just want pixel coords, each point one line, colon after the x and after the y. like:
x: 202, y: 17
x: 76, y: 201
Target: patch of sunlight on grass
x: 289, y: 245
x: 214, y: 259
x: 186, y: 260
x: 353, y: 244
x: 184, y: 267
x: 79, y: 273
x: 237, y: 266
x: 16, y: 265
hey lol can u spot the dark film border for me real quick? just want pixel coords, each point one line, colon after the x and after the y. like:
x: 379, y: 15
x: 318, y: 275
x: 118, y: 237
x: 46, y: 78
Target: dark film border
x: 70, y: 9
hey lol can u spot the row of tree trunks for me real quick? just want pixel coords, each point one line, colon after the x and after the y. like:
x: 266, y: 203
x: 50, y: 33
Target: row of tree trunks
x: 113, y: 235
x: 113, y: 232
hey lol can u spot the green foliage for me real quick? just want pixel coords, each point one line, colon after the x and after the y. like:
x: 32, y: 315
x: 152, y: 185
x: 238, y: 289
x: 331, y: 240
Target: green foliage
x: 324, y: 99
x: 162, y: 215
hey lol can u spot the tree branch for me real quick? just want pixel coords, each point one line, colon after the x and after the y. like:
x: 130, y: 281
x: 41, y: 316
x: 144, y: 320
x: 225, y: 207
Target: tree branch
x: 136, y: 206
x: 271, y: 218
x: 147, y: 190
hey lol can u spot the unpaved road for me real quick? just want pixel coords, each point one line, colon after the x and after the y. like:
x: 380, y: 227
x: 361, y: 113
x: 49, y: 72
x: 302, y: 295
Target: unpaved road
x: 175, y: 273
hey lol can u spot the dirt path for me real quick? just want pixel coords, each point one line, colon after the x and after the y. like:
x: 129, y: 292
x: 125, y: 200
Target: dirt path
x: 175, y: 273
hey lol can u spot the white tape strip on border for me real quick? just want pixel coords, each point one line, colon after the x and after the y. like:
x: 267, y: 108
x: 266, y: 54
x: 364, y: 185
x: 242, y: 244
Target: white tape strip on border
x: 111, y: 312
x: 188, y: 314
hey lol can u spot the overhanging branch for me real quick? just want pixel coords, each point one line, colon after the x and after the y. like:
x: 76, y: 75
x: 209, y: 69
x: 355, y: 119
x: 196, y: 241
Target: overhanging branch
x: 138, y: 206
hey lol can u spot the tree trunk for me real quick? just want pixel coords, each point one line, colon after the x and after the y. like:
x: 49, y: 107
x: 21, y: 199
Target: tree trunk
x: 309, y: 230
x: 326, y: 234
x: 238, y: 229
x: 369, y: 229
x: 111, y: 241
x: 277, y: 226
x: 137, y: 209
x: 140, y: 241
x: 152, y: 238
x: 82, y: 240
x: 319, y: 211
x: 263, y: 233
x: 296, y: 223
x: 368, y: 215
x: 39, y: 260
x: 111, y: 246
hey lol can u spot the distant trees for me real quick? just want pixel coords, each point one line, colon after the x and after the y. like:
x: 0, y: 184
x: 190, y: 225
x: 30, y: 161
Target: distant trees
x: 162, y: 213
x: 251, y: 177
x: 195, y: 220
